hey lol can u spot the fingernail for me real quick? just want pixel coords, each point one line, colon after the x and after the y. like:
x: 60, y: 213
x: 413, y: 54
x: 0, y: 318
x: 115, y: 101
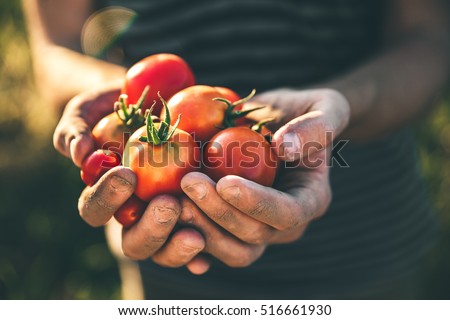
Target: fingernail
x: 120, y: 184
x: 231, y: 193
x: 187, y: 249
x: 163, y: 215
x: 291, y: 145
x: 187, y: 215
x: 197, y: 191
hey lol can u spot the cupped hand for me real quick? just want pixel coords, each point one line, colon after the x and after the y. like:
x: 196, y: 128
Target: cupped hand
x: 72, y: 136
x: 238, y: 217
x: 305, y: 121
x: 153, y: 236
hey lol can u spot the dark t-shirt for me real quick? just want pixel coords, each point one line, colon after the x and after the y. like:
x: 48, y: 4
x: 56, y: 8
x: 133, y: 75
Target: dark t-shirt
x: 379, y: 223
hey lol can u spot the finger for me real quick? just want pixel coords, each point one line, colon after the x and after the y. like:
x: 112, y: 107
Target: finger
x: 200, y: 264
x: 80, y: 148
x: 152, y: 230
x: 202, y: 191
x: 98, y: 203
x: 68, y: 130
x: 282, y: 211
x: 314, y: 130
x: 180, y: 249
x: 79, y: 117
x: 219, y: 243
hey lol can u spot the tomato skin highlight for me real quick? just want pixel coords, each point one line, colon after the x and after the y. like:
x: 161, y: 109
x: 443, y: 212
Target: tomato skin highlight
x: 242, y: 152
x: 160, y: 168
x: 165, y: 73
x: 202, y: 116
x: 130, y: 212
x: 97, y: 164
x: 111, y: 133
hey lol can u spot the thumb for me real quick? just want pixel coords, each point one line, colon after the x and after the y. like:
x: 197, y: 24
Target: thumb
x: 315, y: 130
x: 302, y: 136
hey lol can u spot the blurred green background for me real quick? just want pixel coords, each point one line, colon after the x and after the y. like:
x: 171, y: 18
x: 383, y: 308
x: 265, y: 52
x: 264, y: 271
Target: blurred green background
x: 48, y: 252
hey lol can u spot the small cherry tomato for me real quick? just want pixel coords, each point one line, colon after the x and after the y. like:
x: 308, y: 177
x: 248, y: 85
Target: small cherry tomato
x: 113, y: 131
x: 164, y: 73
x: 130, y: 212
x: 243, y: 152
x: 97, y: 164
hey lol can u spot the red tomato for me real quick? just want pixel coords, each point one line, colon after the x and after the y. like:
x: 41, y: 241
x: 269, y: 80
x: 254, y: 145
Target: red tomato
x: 112, y: 132
x: 202, y: 116
x: 207, y: 110
x: 259, y: 127
x: 159, y: 168
x: 130, y: 212
x: 97, y: 164
x: 243, y: 152
x: 165, y: 73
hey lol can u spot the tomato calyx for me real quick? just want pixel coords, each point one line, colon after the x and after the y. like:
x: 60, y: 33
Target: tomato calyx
x: 159, y: 135
x: 131, y: 114
x: 261, y: 128
x: 231, y: 115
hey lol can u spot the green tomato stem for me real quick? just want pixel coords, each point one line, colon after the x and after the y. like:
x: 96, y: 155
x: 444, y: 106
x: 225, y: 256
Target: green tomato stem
x: 165, y: 131
x: 231, y: 115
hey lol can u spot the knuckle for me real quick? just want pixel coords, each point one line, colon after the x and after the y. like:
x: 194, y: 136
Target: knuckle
x: 263, y: 209
x: 144, y: 250
x: 58, y: 139
x: 152, y: 243
x: 257, y: 236
x: 132, y: 254
x: 241, y: 258
x: 225, y: 215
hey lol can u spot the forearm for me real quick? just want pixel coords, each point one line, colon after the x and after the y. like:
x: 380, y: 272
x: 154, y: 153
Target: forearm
x: 404, y: 80
x: 63, y: 73
x: 61, y: 70
x: 395, y: 88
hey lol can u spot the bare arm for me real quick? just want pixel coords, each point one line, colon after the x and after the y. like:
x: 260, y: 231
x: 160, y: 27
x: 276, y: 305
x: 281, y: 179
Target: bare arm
x: 404, y: 82
x: 62, y: 71
x: 393, y: 89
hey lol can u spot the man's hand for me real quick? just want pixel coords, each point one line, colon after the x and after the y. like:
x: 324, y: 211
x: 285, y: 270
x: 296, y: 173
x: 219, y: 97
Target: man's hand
x: 153, y: 235
x: 72, y: 136
x: 242, y: 217
x: 252, y: 216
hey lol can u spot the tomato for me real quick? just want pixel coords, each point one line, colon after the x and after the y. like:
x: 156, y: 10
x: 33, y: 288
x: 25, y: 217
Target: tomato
x: 130, y: 212
x: 97, y: 164
x: 164, y: 73
x: 202, y: 115
x: 113, y: 131
x: 205, y: 109
x: 243, y: 152
x: 160, y: 155
x: 259, y: 127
